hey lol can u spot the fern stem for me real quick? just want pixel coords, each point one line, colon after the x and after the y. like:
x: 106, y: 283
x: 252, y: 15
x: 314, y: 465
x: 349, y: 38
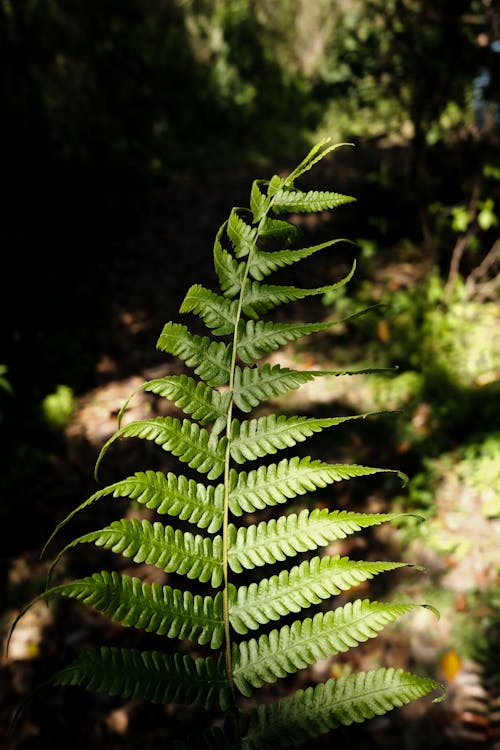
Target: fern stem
x: 225, y: 524
x: 227, y: 467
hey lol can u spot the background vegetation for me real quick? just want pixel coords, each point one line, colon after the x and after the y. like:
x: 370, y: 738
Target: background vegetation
x: 129, y: 130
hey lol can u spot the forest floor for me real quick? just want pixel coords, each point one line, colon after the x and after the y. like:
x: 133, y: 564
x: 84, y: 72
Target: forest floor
x: 145, y: 283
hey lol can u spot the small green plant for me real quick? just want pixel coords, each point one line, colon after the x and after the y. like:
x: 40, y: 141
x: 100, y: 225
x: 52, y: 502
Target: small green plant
x: 58, y: 407
x: 236, y: 618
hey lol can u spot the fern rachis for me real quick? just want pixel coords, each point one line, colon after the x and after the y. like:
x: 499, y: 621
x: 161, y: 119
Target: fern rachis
x: 228, y: 450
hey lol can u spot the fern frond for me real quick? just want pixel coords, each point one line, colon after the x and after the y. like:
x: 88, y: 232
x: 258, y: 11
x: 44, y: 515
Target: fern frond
x: 209, y: 359
x: 261, y: 298
x: 203, y: 403
x: 149, y: 675
x: 302, y: 586
x: 277, y: 483
x: 297, y: 201
x: 284, y: 651
x: 218, y: 313
x: 150, y: 607
x: 228, y: 380
x: 273, y: 541
x: 192, y: 444
x: 318, y: 709
x: 169, y: 549
x: 264, y: 262
x: 256, y: 438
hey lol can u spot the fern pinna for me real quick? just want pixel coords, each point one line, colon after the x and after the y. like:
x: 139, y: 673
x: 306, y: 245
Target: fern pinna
x: 228, y: 377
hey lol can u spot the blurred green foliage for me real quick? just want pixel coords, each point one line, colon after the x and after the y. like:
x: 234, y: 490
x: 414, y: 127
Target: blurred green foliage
x: 58, y: 407
x: 395, y: 64
x: 447, y: 351
x: 477, y: 630
x: 439, y: 324
x: 139, y: 89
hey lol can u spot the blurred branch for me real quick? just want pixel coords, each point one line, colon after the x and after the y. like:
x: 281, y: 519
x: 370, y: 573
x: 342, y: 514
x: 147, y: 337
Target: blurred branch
x: 477, y: 278
x: 461, y: 243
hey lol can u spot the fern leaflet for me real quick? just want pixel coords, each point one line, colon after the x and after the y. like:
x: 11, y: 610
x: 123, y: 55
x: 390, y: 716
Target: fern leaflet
x: 277, y: 483
x: 209, y: 359
x: 284, y: 651
x: 152, y: 675
x: 260, y: 298
x: 317, y: 710
x: 150, y: 607
x: 195, y: 446
x: 256, y: 438
x: 273, y: 541
x: 169, y: 549
x: 302, y: 586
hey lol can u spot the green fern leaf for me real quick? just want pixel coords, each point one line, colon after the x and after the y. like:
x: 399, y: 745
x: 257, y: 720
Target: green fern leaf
x: 218, y: 313
x: 171, y: 550
x: 294, y: 647
x: 318, y: 709
x: 273, y: 541
x: 176, y: 495
x: 318, y: 152
x: 264, y: 262
x: 252, y: 385
x: 150, y: 607
x: 259, y: 202
x: 230, y: 272
x: 193, y: 445
x: 256, y: 438
x: 149, y: 675
x: 279, y: 230
x: 203, y: 403
x: 195, y: 398
x: 258, y: 338
x: 302, y: 586
x: 297, y: 201
x: 277, y: 483
x: 209, y: 359
x: 242, y: 235
x: 261, y: 298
